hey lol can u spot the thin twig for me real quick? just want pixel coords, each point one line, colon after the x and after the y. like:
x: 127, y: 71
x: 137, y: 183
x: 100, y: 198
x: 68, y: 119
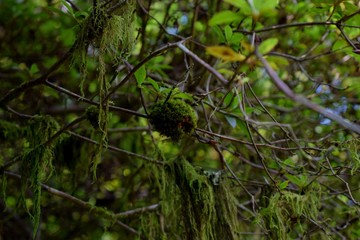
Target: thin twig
x: 257, y: 144
x: 203, y: 63
x: 289, y: 25
x: 223, y: 161
x: 262, y: 160
x: 82, y: 99
x: 342, y: 180
x: 137, y: 211
x: 115, y: 149
x: 140, y: 64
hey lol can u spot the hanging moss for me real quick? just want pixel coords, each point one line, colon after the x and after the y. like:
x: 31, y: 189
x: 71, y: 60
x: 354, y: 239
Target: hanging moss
x: 118, y: 37
x: 193, y: 205
x: 354, y: 153
x: 112, y: 34
x: 173, y: 118
x: 36, y: 165
x: 286, y: 210
x: 152, y: 226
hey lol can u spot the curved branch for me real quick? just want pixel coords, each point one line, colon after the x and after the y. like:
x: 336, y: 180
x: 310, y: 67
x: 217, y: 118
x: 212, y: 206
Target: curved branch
x: 304, y: 101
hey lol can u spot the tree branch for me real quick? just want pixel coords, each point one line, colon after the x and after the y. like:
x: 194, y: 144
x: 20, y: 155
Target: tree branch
x: 304, y: 101
x: 203, y: 63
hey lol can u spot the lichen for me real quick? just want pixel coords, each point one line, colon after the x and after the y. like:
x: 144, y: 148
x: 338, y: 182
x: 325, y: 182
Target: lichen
x: 173, y: 118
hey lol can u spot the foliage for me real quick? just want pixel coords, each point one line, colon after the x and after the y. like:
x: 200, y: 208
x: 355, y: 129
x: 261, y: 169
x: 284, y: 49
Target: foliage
x: 260, y: 100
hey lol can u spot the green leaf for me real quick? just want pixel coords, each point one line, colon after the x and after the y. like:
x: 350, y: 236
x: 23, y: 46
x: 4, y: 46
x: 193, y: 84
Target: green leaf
x: 266, y: 8
x: 219, y: 34
x: 267, y: 45
x: 300, y: 181
x: 228, y: 33
x: 67, y: 6
x: 34, y: 69
x: 235, y: 40
x: 289, y: 162
x: 243, y: 128
x: 224, y: 17
x: 230, y: 101
x: 140, y: 75
x: 284, y: 184
x: 266, y: 5
x: 231, y: 121
x: 154, y: 84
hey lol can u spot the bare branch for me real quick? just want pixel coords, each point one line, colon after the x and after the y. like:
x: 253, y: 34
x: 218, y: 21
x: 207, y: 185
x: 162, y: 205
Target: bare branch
x: 203, y: 63
x: 115, y: 149
x: 304, y: 101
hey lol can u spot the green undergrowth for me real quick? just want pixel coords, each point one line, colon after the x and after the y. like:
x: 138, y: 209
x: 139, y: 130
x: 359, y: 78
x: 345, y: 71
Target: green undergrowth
x: 193, y: 205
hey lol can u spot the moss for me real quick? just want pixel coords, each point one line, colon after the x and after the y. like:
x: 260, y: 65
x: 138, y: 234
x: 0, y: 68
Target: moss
x: 37, y: 161
x: 111, y: 33
x: 286, y: 211
x: 173, y: 118
x: 193, y: 205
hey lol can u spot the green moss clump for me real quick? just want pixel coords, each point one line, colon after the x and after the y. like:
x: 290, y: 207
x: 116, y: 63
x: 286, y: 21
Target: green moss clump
x: 173, y: 118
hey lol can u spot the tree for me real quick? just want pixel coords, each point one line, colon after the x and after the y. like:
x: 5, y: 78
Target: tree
x: 179, y: 119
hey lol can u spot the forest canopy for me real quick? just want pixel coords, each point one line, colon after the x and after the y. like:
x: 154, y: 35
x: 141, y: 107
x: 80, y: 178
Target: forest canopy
x: 136, y: 119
